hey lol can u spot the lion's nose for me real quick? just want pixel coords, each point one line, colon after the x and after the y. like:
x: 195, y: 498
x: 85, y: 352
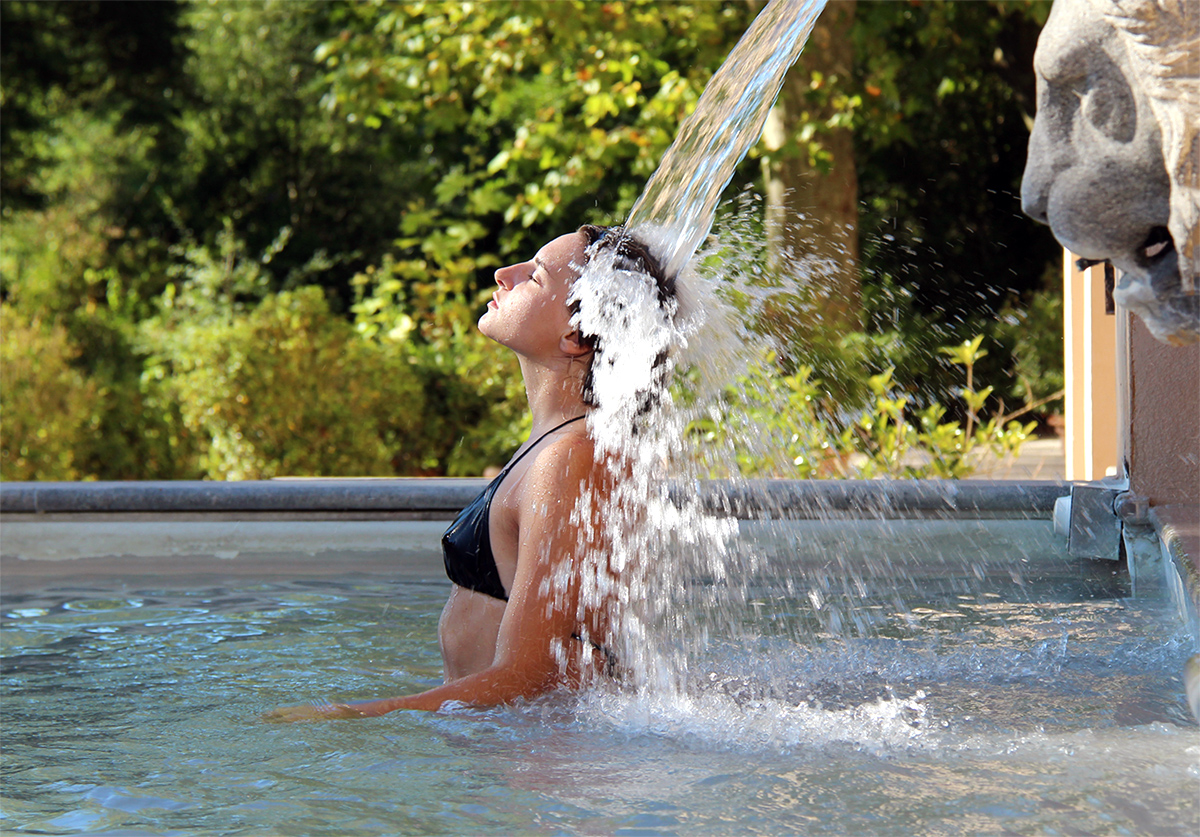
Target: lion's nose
x: 1033, y: 204
x: 1034, y: 195
x: 1035, y: 182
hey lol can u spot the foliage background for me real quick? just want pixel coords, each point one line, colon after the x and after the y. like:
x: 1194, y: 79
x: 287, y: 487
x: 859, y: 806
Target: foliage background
x: 249, y: 239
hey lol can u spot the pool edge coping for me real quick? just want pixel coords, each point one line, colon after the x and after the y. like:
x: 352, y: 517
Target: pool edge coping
x: 436, y: 496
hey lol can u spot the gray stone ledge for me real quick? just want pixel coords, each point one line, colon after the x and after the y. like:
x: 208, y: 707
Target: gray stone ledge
x: 301, y: 495
x: 432, y: 498
x: 883, y: 499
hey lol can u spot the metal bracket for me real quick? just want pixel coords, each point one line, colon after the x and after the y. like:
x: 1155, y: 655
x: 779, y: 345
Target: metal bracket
x: 1095, y: 530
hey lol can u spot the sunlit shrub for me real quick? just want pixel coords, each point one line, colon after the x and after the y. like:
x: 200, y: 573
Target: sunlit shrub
x: 780, y: 426
x: 289, y: 388
x: 475, y: 400
x: 48, y: 405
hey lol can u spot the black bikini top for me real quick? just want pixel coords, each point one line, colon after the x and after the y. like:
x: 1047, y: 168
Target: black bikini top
x: 467, y: 546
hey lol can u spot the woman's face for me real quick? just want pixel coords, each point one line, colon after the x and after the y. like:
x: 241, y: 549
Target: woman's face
x: 528, y: 312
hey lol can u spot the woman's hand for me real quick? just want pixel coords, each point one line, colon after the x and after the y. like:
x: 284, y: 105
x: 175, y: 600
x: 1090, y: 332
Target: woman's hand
x: 314, y: 712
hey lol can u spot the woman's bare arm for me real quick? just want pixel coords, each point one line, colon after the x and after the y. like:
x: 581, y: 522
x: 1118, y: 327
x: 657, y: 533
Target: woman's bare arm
x: 539, y: 614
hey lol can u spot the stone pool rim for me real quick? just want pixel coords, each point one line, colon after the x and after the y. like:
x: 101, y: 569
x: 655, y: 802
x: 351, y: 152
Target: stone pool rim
x: 299, y: 502
x: 437, y: 498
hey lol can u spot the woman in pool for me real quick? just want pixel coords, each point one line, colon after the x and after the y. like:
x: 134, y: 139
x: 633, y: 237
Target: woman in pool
x: 517, y: 623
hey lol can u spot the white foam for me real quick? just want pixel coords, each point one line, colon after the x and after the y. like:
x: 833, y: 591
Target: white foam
x: 717, y: 720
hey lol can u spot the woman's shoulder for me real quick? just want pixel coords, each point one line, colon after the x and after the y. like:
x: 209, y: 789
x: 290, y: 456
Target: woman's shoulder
x: 565, y: 461
x: 574, y: 450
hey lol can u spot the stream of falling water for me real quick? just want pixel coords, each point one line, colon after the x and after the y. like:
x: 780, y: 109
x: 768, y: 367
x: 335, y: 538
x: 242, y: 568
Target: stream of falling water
x: 676, y: 209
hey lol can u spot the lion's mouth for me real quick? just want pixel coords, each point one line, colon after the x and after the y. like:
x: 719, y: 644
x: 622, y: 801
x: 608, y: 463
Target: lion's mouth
x: 1156, y: 247
x: 1149, y: 254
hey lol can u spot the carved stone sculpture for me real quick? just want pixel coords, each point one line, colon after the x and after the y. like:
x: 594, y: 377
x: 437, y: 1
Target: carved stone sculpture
x: 1114, y: 157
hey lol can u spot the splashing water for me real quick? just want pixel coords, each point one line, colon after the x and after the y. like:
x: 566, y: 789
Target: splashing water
x: 670, y: 569
x: 697, y: 613
x: 656, y: 541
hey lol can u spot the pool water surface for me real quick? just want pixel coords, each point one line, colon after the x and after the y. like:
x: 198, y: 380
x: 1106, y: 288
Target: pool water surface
x: 132, y: 707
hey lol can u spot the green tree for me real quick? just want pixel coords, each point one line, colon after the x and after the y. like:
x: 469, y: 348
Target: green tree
x: 112, y: 57
x: 529, y: 118
x: 939, y: 101
x: 810, y: 177
x: 948, y: 94
x: 265, y: 150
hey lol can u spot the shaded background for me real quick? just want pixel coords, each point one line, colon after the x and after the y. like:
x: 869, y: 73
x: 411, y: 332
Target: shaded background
x: 252, y: 239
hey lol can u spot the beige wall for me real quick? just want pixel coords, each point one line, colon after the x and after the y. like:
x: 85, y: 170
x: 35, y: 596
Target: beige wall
x: 1092, y: 443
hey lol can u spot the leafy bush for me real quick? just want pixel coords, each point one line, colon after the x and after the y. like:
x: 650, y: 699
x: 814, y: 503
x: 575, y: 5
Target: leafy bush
x: 288, y: 388
x: 1035, y: 333
x: 275, y: 384
x: 449, y: 136
x: 48, y: 404
x: 781, y: 426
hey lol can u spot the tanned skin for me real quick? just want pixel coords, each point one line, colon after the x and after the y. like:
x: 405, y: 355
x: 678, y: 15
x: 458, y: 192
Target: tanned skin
x: 495, y: 652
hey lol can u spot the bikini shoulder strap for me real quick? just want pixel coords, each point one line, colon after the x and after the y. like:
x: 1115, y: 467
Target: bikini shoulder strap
x: 539, y: 441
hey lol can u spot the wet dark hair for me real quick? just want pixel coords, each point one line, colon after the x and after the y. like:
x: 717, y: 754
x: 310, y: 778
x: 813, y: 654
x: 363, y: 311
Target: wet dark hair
x: 634, y: 256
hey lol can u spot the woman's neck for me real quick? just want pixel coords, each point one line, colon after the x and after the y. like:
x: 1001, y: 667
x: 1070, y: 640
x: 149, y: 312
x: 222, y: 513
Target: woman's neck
x: 554, y: 394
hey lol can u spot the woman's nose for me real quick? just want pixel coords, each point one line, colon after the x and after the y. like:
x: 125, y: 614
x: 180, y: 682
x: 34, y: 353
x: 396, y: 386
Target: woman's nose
x: 504, y: 277
x: 507, y: 277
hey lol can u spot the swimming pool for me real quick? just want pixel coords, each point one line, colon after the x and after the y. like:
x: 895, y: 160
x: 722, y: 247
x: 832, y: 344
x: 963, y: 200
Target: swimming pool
x: 979, y: 681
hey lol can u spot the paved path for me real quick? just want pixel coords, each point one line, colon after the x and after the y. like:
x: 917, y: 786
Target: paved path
x: 1040, y: 459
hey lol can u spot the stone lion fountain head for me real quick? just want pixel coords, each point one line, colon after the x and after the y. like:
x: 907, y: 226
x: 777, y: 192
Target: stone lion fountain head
x: 1114, y: 157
